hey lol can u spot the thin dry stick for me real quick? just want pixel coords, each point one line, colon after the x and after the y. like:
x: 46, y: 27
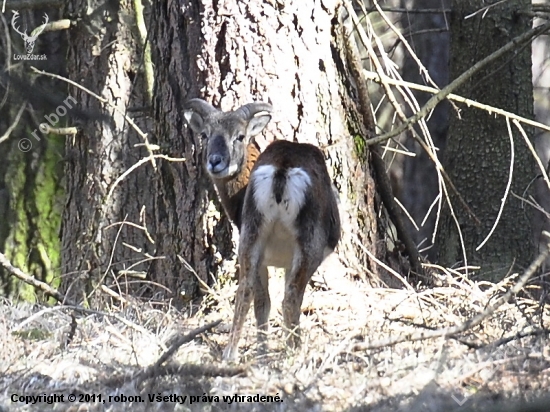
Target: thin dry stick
x: 533, y: 203
x: 429, y: 147
x: 409, y: 11
x: 506, y: 191
x: 44, y: 287
x: 35, y: 316
x: 435, y: 201
x: 484, y: 10
x: 470, y: 323
x: 404, y: 209
x: 140, y: 227
x: 61, y: 131
x: 146, y: 49
x: 143, y: 135
x: 14, y: 124
x: 151, y: 371
x: 406, y: 93
x: 121, y: 319
x: 58, y: 25
x: 377, y: 161
x: 135, y: 166
x: 439, y: 97
x: 378, y: 261
x: 379, y: 78
x: 533, y: 152
x: 54, y: 293
x: 111, y: 258
x: 405, y: 43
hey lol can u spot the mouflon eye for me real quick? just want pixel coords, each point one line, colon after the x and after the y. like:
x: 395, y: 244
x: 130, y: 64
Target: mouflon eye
x: 240, y: 137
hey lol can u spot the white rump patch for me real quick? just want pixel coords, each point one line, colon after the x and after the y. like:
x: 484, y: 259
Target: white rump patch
x: 294, y: 194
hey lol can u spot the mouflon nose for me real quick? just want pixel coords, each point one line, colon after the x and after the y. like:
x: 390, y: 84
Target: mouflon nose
x: 214, y: 160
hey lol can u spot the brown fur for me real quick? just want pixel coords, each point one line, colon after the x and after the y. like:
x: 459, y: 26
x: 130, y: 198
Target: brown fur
x: 232, y: 191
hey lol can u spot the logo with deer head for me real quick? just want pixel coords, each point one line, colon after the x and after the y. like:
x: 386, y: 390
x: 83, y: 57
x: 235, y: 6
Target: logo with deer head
x: 29, y: 40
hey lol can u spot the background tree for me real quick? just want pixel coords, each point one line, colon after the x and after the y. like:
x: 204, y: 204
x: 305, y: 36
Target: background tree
x: 478, y: 154
x: 31, y: 190
x: 105, y: 221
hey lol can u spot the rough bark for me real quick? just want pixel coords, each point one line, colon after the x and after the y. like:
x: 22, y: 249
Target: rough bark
x: 104, y: 238
x: 31, y: 193
x: 478, y: 151
x: 231, y: 53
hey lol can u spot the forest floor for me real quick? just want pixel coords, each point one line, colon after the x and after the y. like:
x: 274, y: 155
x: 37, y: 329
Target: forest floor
x: 350, y: 359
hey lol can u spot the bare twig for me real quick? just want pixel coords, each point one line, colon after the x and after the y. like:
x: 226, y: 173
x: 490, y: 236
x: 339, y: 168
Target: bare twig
x: 135, y: 166
x: 386, y: 191
x: 377, y: 77
x: 146, y: 49
x: 58, y: 25
x: 484, y: 10
x: 46, y: 128
x: 151, y: 371
x: 439, y: 97
x: 503, y: 341
x: 12, y: 126
x: 44, y: 287
x: 184, y: 339
x: 506, y: 191
x: 423, y: 71
x: 48, y: 290
x: 529, y: 144
x: 470, y: 323
x: 130, y: 121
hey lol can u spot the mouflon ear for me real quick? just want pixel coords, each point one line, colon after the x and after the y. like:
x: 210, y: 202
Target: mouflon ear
x: 257, y: 116
x: 257, y: 124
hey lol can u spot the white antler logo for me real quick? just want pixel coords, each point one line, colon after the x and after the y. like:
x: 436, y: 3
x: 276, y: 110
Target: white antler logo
x: 29, y: 40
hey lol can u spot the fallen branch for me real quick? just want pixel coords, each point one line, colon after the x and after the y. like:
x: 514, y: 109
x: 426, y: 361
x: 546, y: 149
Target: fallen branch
x: 503, y: 341
x: 153, y: 370
x: 470, y: 323
x: 187, y: 370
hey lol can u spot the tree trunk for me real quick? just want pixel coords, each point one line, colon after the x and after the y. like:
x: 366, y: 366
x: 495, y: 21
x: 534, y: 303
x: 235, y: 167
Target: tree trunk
x: 31, y: 193
x: 478, y: 152
x: 231, y: 53
x: 104, y: 234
